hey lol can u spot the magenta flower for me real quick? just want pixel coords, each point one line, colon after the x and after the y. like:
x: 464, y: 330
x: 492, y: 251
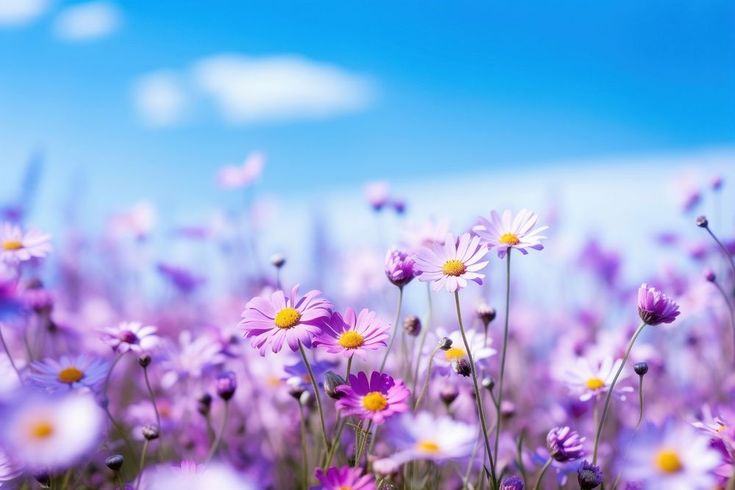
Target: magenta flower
x: 131, y: 336
x: 374, y: 400
x: 399, y: 267
x: 344, y: 478
x: 452, y: 264
x: 654, y: 307
x: 275, y: 319
x: 352, y: 334
x: 506, y: 232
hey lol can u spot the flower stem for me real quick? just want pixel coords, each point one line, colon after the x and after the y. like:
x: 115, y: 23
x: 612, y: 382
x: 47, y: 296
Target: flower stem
x: 476, y: 387
x: 499, y: 403
x: 305, y: 474
x: 541, y: 475
x: 640, y: 402
x: 731, y: 311
x: 425, y: 385
x: 142, y: 464
x: 608, y: 396
x: 424, y: 330
x: 335, y: 442
x: 315, y: 386
x: 10, y: 357
x: 395, y: 328
x: 722, y: 249
x: 153, y: 397
x: 220, y: 434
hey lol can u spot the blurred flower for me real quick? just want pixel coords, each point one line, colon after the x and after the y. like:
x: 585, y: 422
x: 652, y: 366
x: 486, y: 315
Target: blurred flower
x: 377, y: 194
x: 451, y: 265
x: 512, y: 482
x: 506, y: 232
x: 138, y: 221
x: 16, y: 246
x: 131, y: 337
x: 8, y: 470
x: 344, y: 478
x: 399, y: 267
x: 589, y: 476
x: 241, y: 176
x: 48, y: 433
x: 654, y: 307
x: 69, y: 373
x: 424, y: 436
x: 226, y: 385
x: 182, y: 279
x: 376, y: 399
x: 564, y: 444
x: 190, y: 476
x: 590, y: 379
x: 190, y: 358
x: 275, y: 319
x: 671, y: 457
x: 456, y: 352
x: 352, y: 334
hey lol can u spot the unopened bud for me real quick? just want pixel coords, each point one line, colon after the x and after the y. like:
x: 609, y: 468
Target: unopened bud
x: 150, y: 432
x: 144, y: 360
x: 709, y: 275
x: 702, y: 221
x: 204, y: 403
x: 278, y: 260
x: 226, y: 385
x: 640, y: 368
x: 488, y: 383
x: 445, y: 343
x: 115, y: 462
x: 412, y: 325
x: 332, y: 381
x: 462, y: 367
x: 486, y: 314
x: 448, y: 394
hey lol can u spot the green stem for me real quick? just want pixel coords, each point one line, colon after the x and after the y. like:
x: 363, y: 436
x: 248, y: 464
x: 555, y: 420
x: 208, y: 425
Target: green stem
x: 305, y: 469
x: 315, y: 386
x: 142, y: 464
x: 10, y: 357
x: 220, y: 434
x: 395, y: 329
x: 640, y: 401
x: 731, y: 311
x: 498, y: 405
x: 335, y: 442
x: 424, y: 331
x: 153, y: 398
x: 476, y: 387
x: 425, y: 385
x: 722, y: 249
x: 361, y: 446
x: 610, y: 392
x: 541, y: 475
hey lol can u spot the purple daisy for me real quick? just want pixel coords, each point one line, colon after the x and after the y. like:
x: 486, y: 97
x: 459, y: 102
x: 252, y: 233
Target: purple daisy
x: 451, y: 264
x: 352, y: 334
x: 654, y: 307
x: 374, y: 400
x: 343, y: 478
x: 131, y: 336
x: 69, y: 373
x: 506, y: 232
x: 274, y: 319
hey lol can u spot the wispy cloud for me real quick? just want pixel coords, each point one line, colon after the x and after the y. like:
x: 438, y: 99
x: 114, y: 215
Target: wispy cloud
x: 87, y: 21
x: 247, y: 90
x: 160, y: 99
x: 21, y: 12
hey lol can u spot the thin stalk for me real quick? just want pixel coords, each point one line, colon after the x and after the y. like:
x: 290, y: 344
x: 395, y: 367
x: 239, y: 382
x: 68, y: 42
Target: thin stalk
x: 425, y: 385
x: 220, y: 434
x: 315, y: 386
x: 730, y: 310
x: 10, y: 357
x: 476, y: 386
x: 141, y: 465
x: 67, y: 479
x: 608, y: 396
x: 153, y: 397
x: 722, y: 249
x: 335, y: 442
x: 349, y: 368
x: 305, y: 463
x: 541, y: 475
x: 364, y: 435
x: 424, y: 331
x: 498, y: 405
x: 395, y: 328
x: 640, y: 402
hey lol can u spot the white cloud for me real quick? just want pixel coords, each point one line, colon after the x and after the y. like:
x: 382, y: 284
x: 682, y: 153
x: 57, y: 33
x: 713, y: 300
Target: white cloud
x: 248, y: 90
x: 278, y: 88
x: 160, y: 98
x: 19, y: 12
x: 87, y: 21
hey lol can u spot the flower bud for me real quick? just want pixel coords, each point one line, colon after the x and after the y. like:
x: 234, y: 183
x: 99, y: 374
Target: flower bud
x: 204, y: 403
x: 115, y: 462
x: 144, y: 360
x: 486, y: 314
x: 462, y: 367
x: 589, y: 476
x: 488, y: 383
x: 702, y: 221
x: 512, y: 483
x: 564, y: 444
x: 226, y: 385
x: 640, y: 368
x: 709, y: 275
x: 151, y: 432
x: 448, y: 394
x: 331, y: 381
x: 307, y: 399
x: 445, y: 343
x: 278, y: 260
x: 412, y: 325
x: 295, y: 390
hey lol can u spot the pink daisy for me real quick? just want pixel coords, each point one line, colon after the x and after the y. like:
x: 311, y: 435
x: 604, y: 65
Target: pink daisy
x: 274, y: 319
x: 507, y: 232
x: 352, y: 334
x: 131, y: 336
x: 16, y: 246
x: 374, y: 400
x: 344, y: 478
x: 452, y: 264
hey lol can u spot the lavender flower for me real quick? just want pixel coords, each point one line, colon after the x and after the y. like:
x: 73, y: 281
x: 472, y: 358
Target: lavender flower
x: 654, y: 307
x: 564, y: 444
x: 399, y: 267
x: 589, y: 476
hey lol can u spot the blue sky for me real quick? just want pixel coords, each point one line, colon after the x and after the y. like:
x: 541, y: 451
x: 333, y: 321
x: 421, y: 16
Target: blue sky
x: 455, y: 87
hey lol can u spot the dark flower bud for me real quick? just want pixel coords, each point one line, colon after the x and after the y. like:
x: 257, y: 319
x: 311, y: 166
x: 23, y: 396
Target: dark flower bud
x: 702, y: 221
x: 448, y: 394
x: 445, y: 343
x: 144, y: 360
x: 512, y: 483
x: 151, y: 432
x: 640, y: 368
x: 486, y: 314
x: 278, y: 260
x: 331, y: 382
x: 296, y: 390
x: 204, y: 403
x: 589, y: 476
x: 462, y: 367
x: 226, y: 385
x: 709, y: 275
x: 412, y: 325
x: 307, y: 399
x: 488, y: 383
x: 114, y: 462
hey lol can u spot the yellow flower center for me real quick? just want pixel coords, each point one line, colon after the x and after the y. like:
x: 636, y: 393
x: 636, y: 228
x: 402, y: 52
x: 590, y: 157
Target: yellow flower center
x: 454, y: 354
x: 595, y: 383
x: 43, y: 429
x: 374, y: 401
x: 12, y: 245
x: 668, y: 461
x: 351, y: 340
x: 509, y: 239
x: 345, y: 487
x: 70, y: 375
x: 287, y: 317
x: 720, y: 427
x: 453, y: 267
x: 428, y: 446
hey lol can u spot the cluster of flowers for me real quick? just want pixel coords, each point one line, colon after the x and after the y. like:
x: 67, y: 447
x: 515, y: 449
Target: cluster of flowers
x: 344, y: 399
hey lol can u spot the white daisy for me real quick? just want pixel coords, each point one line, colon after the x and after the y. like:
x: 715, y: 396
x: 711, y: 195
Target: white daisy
x: 506, y: 232
x: 16, y: 246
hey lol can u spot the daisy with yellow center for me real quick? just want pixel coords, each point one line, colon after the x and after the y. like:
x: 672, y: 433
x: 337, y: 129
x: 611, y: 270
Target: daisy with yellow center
x: 668, y: 461
x: 84, y: 372
x: 19, y: 246
x: 506, y: 231
x: 287, y: 317
x: 352, y: 333
x: 374, y: 399
x: 452, y: 264
x: 590, y: 378
x: 424, y: 436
